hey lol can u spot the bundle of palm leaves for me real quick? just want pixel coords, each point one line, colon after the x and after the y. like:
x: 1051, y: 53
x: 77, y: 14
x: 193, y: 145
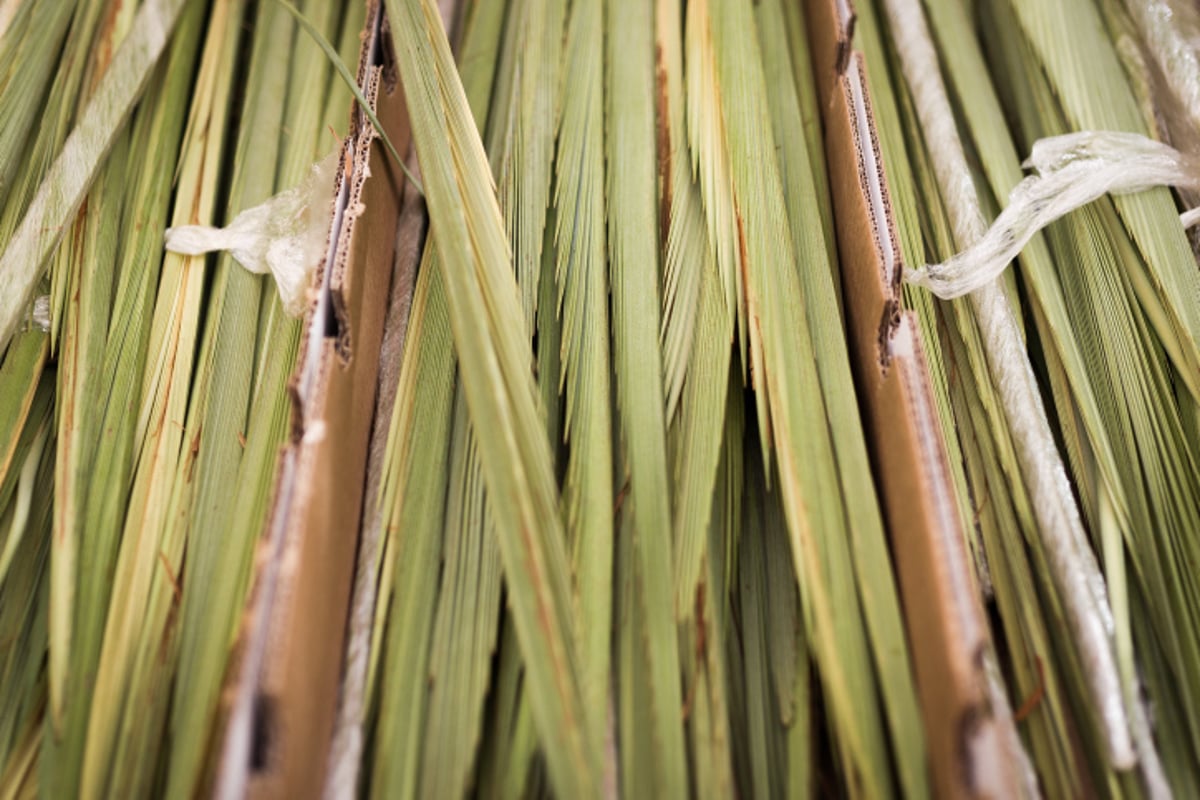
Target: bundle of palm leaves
x: 631, y: 539
x: 142, y: 393
x: 1072, y: 443
x: 1106, y: 302
x: 625, y: 537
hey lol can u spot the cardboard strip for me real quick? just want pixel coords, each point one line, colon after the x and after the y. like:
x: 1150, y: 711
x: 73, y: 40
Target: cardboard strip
x: 283, y: 686
x: 349, y: 735
x: 942, y: 609
x: 831, y: 31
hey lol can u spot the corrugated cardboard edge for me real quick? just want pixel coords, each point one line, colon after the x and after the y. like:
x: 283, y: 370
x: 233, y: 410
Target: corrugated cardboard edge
x: 343, y: 778
x: 943, y: 613
x: 346, y: 750
x: 282, y: 687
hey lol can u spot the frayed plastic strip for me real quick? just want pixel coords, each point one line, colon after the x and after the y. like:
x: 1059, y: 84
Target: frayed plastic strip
x: 39, y: 313
x: 1072, y: 171
x: 284, y: 236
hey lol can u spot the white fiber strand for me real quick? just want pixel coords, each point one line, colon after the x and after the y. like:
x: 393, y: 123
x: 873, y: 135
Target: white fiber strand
x: 1076, y: 574
x: 1071, y: 171
x: 1167, y: 27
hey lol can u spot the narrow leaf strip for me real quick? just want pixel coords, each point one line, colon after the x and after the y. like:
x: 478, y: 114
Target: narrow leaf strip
x: 582, y: 278
x: 343, y: 72
x: 633, y: 249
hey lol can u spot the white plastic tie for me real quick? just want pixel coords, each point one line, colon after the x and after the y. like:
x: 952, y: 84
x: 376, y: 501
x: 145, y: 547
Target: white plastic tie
x: 1070, y: 171
x: 285, y: 236
x: 39, y: 313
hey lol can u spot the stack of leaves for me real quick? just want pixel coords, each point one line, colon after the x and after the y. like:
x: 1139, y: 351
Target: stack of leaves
x: 143, y: 397
x: 632, y: 540
x: 1108, y: 299
x: 632, y: 543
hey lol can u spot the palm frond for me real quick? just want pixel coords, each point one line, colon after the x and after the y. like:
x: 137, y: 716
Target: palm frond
x: 493, y: 353
x: 641, y: 407
x: 581, y: 275
x: 794, y: 420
